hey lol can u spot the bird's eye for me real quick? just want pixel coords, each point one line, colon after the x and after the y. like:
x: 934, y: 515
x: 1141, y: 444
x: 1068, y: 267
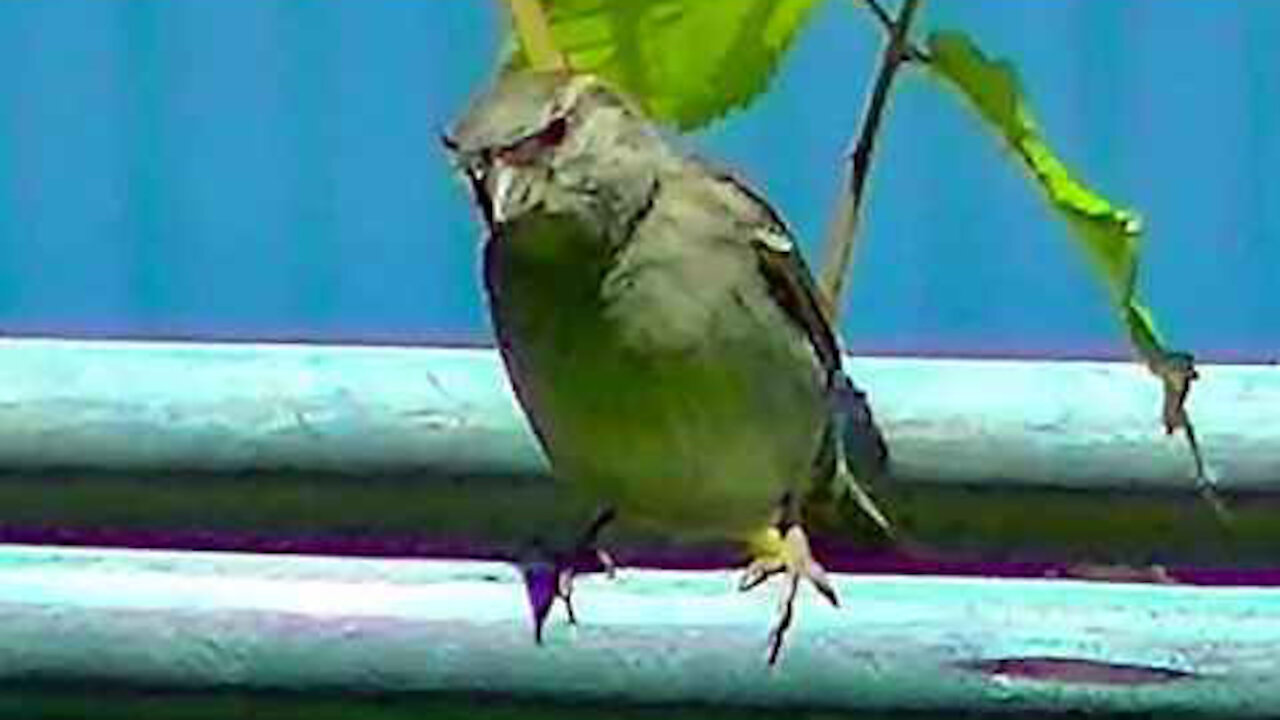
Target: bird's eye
x: 529, y: 148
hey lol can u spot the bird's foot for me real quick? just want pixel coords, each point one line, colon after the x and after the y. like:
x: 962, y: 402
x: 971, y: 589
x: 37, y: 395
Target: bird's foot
x: 552, y: 578
x: 779, y: 552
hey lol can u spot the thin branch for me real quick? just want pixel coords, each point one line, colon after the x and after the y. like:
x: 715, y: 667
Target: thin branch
x: 914, y: 52
x: 1205, y: 482
x: 886, y: 20
x: 534, y: 31
x: 838, y: 250
x: 1177, y: 371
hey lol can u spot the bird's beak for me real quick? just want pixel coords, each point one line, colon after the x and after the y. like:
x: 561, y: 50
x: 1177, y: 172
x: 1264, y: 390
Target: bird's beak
x: 501, y: 182
x: 499, y: 189
x: 477, y: 176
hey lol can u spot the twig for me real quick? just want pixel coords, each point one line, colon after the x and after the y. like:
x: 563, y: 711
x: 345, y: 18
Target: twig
x: 838, y: 250
x: 535, y: 35
x: 1205, y: 482
x: 886, y: 20
x: 1176, y: 372
x: 914, y: 52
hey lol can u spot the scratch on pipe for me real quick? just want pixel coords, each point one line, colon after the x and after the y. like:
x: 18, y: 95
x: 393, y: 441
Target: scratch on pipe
x: 432, y: 419
x: 1102, y: 572
x: 1077, y: 671
x: 439, y: 387
x: 305, y: 425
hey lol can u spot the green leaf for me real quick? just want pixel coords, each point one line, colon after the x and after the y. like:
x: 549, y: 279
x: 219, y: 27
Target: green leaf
x: 1108, y: 234
x: 687, y: 62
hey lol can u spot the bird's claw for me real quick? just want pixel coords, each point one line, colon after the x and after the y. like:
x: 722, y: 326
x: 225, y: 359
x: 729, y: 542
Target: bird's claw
x: 564, y: 591
x: 786, y: 553
x: 564, y: 585
x: 758, y: 571
x: 547, y: 582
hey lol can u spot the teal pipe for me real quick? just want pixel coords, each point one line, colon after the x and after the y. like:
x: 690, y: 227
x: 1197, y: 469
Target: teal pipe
x: 990, y: 458
x: 308, y: 625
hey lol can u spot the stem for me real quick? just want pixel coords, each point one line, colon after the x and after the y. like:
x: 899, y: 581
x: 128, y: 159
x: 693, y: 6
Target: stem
x: 914, y: 52
x: 838, y: 250
x: 535, y: 36
x: 886, y: 20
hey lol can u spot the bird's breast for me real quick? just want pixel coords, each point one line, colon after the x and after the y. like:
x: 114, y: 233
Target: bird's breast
x: 678, y: 406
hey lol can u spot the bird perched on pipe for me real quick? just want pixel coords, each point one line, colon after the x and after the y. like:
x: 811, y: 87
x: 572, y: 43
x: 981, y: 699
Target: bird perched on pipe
x: 658, y: 324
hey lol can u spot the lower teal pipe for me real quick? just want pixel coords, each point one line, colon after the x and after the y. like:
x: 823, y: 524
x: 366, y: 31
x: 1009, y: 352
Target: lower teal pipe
x: 319, y: 627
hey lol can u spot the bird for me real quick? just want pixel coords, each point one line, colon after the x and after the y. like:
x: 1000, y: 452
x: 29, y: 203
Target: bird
x: 659, y: 327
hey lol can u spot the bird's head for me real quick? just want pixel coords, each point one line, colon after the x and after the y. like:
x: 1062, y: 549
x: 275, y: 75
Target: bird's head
x: 556, y: 143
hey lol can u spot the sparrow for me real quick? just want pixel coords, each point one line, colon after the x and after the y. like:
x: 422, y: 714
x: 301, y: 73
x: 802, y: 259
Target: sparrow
x: 659, y: 326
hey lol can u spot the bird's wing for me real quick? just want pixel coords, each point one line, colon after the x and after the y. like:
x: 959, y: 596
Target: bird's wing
x: 783, y: 268
x: 853, y: 447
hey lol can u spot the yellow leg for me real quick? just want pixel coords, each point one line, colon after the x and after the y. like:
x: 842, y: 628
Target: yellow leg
x: 778, y: 552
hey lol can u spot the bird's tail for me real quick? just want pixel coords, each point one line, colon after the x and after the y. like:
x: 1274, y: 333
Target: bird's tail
x: 861, y: 453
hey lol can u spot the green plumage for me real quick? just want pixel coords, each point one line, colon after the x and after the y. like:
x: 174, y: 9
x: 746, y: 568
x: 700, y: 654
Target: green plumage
x: 659, y: 328
x: 683, y: 398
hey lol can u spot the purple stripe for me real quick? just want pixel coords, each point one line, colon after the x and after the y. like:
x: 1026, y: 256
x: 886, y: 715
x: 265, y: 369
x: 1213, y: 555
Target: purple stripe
x: 843, y: 560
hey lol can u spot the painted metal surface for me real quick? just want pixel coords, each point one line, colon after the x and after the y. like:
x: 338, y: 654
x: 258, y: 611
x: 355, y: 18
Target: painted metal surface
x: 227, y: 407
x: 205, y: 620
x: 423, y: 451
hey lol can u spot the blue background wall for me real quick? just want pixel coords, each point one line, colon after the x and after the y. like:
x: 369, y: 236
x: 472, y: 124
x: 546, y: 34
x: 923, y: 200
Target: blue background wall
x: 270, y: 169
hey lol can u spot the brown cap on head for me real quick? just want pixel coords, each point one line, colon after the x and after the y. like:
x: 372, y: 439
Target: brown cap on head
x: 519, y: 104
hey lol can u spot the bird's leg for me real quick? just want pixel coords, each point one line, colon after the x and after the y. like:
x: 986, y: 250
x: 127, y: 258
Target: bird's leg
x: 783, y: 548
x: 584, y: 557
